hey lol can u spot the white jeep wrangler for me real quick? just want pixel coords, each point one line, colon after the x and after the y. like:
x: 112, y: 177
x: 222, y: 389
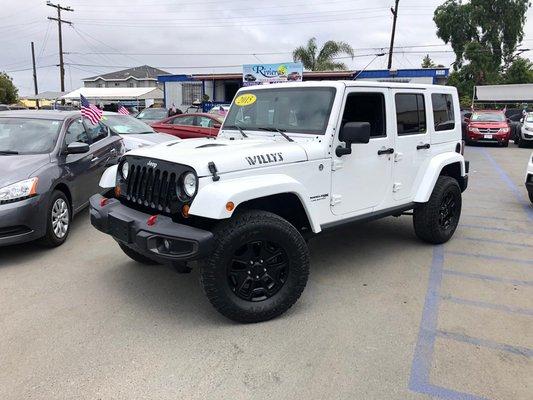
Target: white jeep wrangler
x: 291, y: 161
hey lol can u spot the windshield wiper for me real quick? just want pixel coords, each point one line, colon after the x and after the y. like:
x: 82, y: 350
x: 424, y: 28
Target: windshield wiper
x: 8, y: 152
x: 244, y: 135
x: 281, y: 132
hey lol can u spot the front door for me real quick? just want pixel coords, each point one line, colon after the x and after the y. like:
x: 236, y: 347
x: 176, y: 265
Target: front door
x: 361, y: 181
x: 413, y: 142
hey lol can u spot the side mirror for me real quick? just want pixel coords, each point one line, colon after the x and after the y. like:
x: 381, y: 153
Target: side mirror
x: 217, y: 126
x: 77, y: 148
x: 353, y: 132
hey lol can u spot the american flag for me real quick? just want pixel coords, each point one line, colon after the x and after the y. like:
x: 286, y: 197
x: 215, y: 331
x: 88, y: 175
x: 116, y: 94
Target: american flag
x: 122, y: 109
x: 90, y: 111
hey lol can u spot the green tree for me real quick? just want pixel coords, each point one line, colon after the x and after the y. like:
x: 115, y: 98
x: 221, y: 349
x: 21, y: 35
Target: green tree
x: 8, y: 91
x: 520, y: 71
x: 323, y: 60
x: 427, y: 62
x: 496, y: 25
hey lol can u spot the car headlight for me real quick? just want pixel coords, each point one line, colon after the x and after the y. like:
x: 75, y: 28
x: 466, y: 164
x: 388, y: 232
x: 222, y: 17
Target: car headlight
x: 125, y: 169
x: 505, y: 130
x: 19, y: 191
x: 189, y: 184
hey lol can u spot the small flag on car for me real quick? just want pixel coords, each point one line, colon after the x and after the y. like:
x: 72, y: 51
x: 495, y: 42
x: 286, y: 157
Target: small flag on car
x: 90, y: 111
x: 122, y: 110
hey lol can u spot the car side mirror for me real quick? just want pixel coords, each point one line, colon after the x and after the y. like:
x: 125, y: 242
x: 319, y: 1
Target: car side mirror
x: 217, y: 126
x: 353, y: 132
x: 77, y: 148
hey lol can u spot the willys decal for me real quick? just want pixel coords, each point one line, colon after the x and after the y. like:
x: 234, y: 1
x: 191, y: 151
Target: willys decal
x: 265, y: 158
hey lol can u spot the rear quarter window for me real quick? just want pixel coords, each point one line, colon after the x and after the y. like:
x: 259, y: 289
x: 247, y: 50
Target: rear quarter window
x: 443, y: 113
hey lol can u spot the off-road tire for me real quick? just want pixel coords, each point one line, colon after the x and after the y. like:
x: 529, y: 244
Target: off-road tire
x: 426, y: 216
x: 50, y: 239
x: 136, y: 256
x: 230, y: 236
x: 530, y: 194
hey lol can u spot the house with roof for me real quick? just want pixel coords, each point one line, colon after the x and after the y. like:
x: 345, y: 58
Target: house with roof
x: 136, y: 77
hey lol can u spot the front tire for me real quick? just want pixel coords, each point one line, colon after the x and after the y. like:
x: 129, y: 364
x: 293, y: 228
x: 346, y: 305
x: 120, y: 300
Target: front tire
x: 258, y: 268
x: 58, y: 220
x: 436, y: 221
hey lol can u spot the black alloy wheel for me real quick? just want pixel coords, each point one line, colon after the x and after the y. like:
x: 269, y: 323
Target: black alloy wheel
x: 258, y: 270
x: 448, y: 211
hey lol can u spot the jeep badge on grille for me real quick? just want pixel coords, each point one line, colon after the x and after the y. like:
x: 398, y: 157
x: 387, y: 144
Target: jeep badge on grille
x: 151, y: 164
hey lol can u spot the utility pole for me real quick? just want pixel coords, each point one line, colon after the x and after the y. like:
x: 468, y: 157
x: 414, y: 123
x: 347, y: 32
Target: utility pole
x: 395, y: 15
x: 59, y: 22
x: 34, y: 74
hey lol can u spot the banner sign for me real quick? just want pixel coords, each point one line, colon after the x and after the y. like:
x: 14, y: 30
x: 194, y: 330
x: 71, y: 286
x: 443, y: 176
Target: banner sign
x: 264, y: 74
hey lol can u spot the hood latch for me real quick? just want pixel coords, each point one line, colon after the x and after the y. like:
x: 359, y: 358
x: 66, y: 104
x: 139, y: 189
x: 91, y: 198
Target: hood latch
x: 213, y: 169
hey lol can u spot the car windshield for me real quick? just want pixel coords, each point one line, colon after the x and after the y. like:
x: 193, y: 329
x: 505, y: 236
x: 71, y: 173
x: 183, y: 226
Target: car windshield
x: 28, y: 135
x: 124, y: 124
x: 297, y: 110
x: 488, y: 117
x: 153, y: 113
x: 529, y: 118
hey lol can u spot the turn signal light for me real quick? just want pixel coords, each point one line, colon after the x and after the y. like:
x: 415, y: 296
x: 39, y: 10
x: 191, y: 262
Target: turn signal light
x: 152, y: 220
x: 103, y: 201
x: 185, y: 211
x: 117, y: 191
x: 230, y: 206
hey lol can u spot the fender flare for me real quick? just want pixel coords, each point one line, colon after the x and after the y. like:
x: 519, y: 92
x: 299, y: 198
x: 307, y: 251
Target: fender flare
x: 433, y: 172
x: 211, y: 200
x: 109, y: 178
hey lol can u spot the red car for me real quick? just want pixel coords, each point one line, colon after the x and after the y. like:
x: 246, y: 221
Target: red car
x: 488, y: 127
x: 188, y: 126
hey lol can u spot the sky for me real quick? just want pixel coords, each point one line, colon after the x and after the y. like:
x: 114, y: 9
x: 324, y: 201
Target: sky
x: 188, y: 36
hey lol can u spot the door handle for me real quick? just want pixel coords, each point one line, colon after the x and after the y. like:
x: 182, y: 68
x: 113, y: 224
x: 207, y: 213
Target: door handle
x: 385, y: 151
x: 94, y: 159
x: 113, y: 152
x: 426, y: 146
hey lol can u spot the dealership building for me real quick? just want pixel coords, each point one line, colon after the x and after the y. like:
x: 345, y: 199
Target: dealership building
x: 183, y: 90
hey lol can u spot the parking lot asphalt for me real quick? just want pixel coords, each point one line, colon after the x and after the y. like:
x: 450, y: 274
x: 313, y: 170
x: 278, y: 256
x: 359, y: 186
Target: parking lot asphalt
x: 384, y: 316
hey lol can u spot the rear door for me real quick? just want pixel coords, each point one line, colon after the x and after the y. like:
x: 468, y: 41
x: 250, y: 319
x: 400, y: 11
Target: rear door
x: 413, y: 141
x: 182, y: 126
x: 206, y: 126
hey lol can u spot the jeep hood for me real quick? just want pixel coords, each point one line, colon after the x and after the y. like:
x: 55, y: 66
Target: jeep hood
x: 228, y: 155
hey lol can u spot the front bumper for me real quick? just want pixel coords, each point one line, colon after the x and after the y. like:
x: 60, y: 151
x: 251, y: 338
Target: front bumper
x: 495, y: 138
x: 22, y: 221
x: 165, y: 241
x: 526, y: 135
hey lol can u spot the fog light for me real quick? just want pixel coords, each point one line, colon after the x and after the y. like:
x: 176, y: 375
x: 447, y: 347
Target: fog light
x: 166, y: 244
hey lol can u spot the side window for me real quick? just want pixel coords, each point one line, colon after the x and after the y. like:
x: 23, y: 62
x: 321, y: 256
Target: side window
x: 76, y: 133
x: 204, y: 122
x: 96, y: 132
x: 410, y: 114
x: 443, y: 111
x: 189, y: 120
x: 366, y: 107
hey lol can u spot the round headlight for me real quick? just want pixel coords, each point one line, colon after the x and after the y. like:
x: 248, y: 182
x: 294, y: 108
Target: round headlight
x: 189, y: 184
x: 125, y: 169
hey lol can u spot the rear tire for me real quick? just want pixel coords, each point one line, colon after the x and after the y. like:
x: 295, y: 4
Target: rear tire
x: 58, y: 220
x: 258, y: 268
x: 135, y: 256
x: 505, y: 144
x: 436, y: 221
x: 531, y: 197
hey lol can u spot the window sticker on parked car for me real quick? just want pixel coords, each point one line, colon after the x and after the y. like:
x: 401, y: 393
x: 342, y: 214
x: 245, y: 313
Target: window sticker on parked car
x: 245, y: 100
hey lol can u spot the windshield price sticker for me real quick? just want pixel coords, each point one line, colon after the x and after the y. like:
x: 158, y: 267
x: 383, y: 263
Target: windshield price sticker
x: 245, y: 100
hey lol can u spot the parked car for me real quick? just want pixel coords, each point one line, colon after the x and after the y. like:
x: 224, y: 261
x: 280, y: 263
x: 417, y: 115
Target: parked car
x: 51, y: 162
x: 525, y: 135
x: 294, y: 76
x: 6, y: 107
x: 134, y: 132
x: 151, y: 115
x: 529, y: 178
x: 187, y: 126
x: 250, y: 78
x: 488, y: 127
x: 245, y: 203
x: 514, y: 117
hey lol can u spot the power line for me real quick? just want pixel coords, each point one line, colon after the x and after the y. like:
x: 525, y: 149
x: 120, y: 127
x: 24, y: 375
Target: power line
x: 59, y: 22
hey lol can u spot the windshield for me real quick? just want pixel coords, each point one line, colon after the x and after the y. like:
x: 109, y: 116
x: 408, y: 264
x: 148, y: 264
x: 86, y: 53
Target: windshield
x: 529, y: 118
x: 28, y: 136
x: 297, y: 110
x: 488, y: 117
x: 153, y: 113
x: 124, y: 124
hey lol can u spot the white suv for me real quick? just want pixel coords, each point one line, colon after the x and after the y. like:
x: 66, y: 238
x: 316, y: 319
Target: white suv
x: 291, y: 160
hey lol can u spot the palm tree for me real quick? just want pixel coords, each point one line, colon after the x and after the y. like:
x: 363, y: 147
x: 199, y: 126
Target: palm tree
x: 323, y: 60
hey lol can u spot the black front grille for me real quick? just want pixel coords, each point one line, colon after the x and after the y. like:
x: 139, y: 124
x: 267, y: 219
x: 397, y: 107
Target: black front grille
x: 152, y: 184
